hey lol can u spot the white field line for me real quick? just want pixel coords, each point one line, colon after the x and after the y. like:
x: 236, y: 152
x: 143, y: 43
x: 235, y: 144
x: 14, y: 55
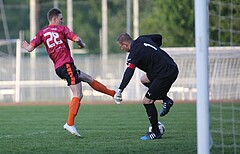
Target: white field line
x: 27, y: 134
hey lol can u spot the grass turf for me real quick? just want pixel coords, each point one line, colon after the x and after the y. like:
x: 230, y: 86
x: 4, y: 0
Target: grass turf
x: 104, y: 129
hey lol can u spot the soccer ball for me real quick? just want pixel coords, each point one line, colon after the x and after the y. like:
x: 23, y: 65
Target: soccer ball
x: 160, y: 126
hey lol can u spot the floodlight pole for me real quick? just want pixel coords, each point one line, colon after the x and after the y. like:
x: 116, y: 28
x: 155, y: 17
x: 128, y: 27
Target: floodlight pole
x: 135, y: 35
x: 201, y: 43
x: 128, y: 2
x: 18, y: 66
x: 70, y: 19
x: 33, y: 31
x: 104, y: 31
x: 135, y: 19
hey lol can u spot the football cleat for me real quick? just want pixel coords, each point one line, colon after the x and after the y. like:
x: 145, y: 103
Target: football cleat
x: 167, y: 104
x: 72, y: 130
x: 151, y: 136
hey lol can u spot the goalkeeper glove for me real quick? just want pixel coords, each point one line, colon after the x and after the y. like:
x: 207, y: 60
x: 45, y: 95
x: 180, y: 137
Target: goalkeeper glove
x: 118, y: 96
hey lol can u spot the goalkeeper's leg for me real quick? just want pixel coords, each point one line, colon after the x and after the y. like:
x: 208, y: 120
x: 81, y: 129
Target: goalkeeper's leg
x: 153, y: 119
x: 152, y: 114
x: 145, y: 81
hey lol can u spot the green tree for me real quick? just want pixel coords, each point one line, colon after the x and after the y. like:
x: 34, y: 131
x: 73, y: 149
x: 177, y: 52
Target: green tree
x: 16, y: 15
x: 173, y: 19
x: 116, y: 22
x: 87, y: 23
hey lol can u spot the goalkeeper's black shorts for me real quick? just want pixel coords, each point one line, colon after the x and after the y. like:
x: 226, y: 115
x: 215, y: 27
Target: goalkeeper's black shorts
x: 159, y: 87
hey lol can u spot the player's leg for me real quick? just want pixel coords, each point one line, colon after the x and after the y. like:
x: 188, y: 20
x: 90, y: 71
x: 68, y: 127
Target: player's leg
x: 152, y: 113
x: 166, y: 105
x: 73, y: 108
x: 69, y: 72
x: 153, y: 119
x: 161, y: 88
x: 96, y: 85
x: 145, y: 81
x: 165, y: 87
x: 75, y: 103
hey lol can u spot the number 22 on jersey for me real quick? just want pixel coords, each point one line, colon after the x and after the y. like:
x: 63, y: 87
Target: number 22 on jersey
x: 53, y: 39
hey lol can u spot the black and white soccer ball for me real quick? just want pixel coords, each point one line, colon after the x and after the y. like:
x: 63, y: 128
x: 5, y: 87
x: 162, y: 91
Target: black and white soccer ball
x: 160, y: 126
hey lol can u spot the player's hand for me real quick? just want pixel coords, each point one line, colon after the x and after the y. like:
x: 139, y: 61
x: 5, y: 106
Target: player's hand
x: 118, y: 96
x: 81, y: 45
x: 24, y: 44
x: 27, y: 46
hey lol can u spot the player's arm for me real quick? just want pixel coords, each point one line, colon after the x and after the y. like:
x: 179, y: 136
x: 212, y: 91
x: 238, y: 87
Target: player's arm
x: 126, y: 79
x: 157, y: 38
x: 73, y: 37
x: 27, y: 46
x: 80, y: 43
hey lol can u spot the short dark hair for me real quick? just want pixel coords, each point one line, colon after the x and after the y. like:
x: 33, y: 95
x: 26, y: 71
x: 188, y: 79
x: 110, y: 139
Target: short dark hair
x: 124, y: 37
x: 54, y: 12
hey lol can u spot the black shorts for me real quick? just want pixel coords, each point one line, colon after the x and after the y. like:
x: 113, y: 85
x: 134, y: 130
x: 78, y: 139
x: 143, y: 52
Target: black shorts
x: 159, y: 87
x: 70, y: 73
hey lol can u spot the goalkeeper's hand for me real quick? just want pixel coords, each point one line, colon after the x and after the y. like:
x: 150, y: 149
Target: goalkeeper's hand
x: 118, y: 96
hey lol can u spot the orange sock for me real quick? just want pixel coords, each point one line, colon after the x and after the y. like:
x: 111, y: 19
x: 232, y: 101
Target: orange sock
x: 101, y: 88
x: 73, y: 110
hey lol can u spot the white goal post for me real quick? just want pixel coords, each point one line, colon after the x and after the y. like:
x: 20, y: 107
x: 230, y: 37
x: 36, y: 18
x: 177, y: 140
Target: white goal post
x: 201, y: 43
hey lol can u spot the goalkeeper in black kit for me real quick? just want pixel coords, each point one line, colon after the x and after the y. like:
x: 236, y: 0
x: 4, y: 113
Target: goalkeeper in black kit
x: 161, y: 72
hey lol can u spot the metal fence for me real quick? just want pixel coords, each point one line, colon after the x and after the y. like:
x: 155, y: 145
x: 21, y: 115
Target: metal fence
x: 39, y: 83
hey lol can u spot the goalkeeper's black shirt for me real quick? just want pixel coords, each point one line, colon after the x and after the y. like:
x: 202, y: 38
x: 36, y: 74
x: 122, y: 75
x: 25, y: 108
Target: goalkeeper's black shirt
x: 145, y: 54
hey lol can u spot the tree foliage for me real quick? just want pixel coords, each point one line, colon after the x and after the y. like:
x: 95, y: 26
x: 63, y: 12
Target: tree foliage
x: 173, y: 19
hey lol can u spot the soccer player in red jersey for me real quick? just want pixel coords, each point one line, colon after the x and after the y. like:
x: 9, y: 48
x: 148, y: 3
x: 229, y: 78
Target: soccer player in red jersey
x: 54, y: 37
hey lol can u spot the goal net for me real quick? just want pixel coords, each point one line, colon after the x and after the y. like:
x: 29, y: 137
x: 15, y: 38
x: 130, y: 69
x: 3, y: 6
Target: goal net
x: 7, y: 55
x: 224, y: 30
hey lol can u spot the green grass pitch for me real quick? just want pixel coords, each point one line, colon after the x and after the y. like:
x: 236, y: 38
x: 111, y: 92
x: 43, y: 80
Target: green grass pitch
x: 104, y: 128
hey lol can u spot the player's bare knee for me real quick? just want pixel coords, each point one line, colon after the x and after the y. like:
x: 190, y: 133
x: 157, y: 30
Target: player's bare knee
x: 85, y: 77
x: 144, y: 79
x: 147, y: 101
x: 81, y: 96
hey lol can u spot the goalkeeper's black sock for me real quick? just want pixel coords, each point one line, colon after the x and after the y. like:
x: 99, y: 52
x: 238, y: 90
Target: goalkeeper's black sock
x: 165, y: 98
x: 152, y: 116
